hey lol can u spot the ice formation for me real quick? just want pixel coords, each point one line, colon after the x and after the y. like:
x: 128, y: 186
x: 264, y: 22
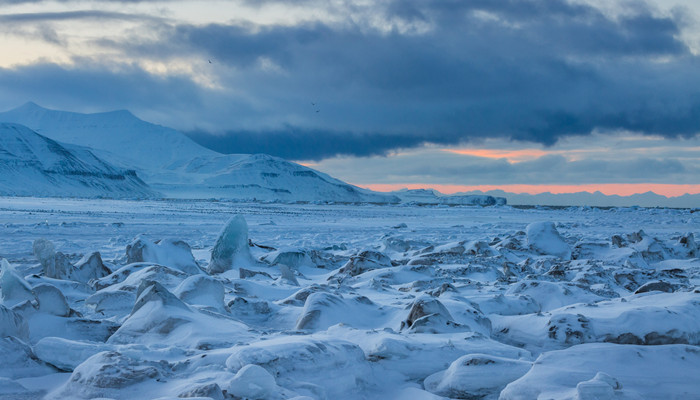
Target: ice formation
x: 231, y: 248
x: 341, y: 302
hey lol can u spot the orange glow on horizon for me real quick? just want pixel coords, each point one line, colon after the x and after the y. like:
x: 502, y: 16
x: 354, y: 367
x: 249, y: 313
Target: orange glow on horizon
x: 621, y: 189
x: 510, y: 155
x: 516, y: 156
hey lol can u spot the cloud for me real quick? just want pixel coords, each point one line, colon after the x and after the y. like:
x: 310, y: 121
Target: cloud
x: 537, y: 71
x: 94, y: 1
x: 402, y: 74
x: 104, y: 88
x: 92, y: 15
x: 299, y: 144
x: 438, y: 167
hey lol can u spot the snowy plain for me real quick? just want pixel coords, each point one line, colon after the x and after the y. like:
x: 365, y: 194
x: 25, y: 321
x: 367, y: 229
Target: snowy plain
x: 346, y: 301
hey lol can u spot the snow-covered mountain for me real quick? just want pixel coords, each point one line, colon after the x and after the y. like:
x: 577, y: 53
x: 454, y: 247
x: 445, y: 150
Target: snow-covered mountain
x: 173, y: 164
x: 117, y: 136
x: 31, y: 164
x: 263, y: 177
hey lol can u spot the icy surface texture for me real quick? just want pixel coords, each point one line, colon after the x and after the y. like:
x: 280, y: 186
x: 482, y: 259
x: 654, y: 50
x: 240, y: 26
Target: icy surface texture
x: 178, y: 299
x: 231, y: 247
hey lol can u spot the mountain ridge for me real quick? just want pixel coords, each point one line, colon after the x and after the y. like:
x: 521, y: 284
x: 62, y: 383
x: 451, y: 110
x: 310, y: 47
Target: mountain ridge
x: 32, y: 164
x: 173, y: 164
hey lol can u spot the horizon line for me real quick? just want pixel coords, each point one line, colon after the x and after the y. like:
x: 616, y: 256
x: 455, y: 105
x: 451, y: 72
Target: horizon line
x: 609, y: 189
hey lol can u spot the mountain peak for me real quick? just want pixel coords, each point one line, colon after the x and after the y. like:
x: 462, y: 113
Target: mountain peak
x: 29, y: 106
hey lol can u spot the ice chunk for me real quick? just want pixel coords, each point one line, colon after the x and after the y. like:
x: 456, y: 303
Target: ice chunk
x: 322, y: 310
x: 247, y: 273
x: 653, y: 318
x: 150, y: 291
x: 296, y: 359
x: 13, y: 324
x: 601, y: 387
x: 660, y: 286
x: 657, y: 372
x: 208, y: 391
x: 231, y: 248
x: 9, y: 387
x: 544, y: 238
x: 51, y: 300
x: 158, y: 316
x: 202, y: 290
x: 426, y: 314
x: 365, y: 261
x: 45, y: 252
x: 66, y: 354
x: 14, y: 288
x: 551, y: 295
x: 419, y: 355
x: 291, y: 257
x: 299, y: 297
x: 18, y: 361
x: 253, y: 382
x: 55, y: 264
x: 476, y: 376
x: 243, y: 307
x: 686, y: 246
x: 288, y: 275
x: 89, y: 267
x: 171, y: 253
x: 107, y: 373
x: 117, y: 292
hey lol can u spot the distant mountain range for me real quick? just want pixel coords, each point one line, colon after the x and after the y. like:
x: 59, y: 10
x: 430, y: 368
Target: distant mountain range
x: 175, y: 166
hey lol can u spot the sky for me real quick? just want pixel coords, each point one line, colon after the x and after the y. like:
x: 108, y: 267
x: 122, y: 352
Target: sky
x: 523, y: 95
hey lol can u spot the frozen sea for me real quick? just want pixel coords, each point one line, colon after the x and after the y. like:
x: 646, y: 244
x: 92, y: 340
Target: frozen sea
x: 225, y: 300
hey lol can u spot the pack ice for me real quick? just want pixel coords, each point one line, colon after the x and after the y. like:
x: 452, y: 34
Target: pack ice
x: 168, y: 299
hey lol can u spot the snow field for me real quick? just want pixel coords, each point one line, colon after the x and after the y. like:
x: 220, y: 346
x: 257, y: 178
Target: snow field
x: 173, y: 299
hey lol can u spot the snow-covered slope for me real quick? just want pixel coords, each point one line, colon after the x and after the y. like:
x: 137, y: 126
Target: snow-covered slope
x: 116, y: 136
x: 263, y: 177
x: 31, y: 164
x: 178, y: 167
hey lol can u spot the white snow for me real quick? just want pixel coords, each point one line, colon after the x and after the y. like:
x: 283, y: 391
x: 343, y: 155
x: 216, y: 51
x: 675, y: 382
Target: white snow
x: 167, y: 160
x: 476, y: 375
x: 253, y: 382
x: 34, y: 165
x: 343, y: 302
x: 613, y: 371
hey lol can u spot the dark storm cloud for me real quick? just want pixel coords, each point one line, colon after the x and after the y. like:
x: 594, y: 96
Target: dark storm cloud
x: 72, y: 88
x: 300, y: 144
x: 91, y: 15
x: 519, y: 69
x: 536, y: 71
